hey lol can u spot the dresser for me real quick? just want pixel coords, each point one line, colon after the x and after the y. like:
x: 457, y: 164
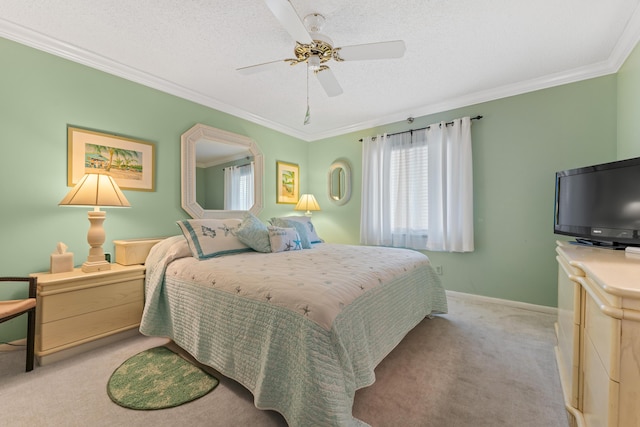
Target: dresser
x: 78, y: 311
x: 598, y: 332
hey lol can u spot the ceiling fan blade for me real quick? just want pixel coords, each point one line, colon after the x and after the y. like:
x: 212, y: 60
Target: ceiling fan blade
x: 253, y: 69
x: 382, y: 50
x: 329, y: 82
x: 286, y: 14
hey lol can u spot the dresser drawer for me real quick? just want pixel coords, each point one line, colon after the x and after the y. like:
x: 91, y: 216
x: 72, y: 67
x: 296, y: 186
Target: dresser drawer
x: 604, y: 333
x: 628, y: 414
x: 569, y: 289
x: 87, y: 326
x: 69, y: 304
x: 78, y: 311
x: 600, y: 405
x: 569, y: 297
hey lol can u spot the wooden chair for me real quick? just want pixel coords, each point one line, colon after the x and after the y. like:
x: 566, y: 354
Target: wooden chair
x: 15, y: 308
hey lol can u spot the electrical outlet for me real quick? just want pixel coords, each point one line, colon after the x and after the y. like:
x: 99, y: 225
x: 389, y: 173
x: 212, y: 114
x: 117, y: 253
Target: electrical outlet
x: 439, y: 269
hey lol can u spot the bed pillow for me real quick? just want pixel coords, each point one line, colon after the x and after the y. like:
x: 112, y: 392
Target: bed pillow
x: 284, y: 239
x: 210, y: 238
x: 311, y: 230
x: 299, y: 227
x: 306, y: 221
x: 254, y: 233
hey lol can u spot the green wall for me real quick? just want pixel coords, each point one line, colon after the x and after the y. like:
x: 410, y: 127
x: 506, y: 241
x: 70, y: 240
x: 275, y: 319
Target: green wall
x: 518, y: 145
x: 629, y: 106
x: 41, y: 94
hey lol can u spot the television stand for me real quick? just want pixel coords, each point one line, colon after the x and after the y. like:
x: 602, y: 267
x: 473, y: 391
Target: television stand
x: 598, y: 332
x: 599, y: 244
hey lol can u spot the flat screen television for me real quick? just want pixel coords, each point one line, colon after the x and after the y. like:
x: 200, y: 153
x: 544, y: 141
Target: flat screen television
x: 600, y: 204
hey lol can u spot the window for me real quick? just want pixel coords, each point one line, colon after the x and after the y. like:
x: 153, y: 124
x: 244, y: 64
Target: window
x: 409, y: 190
x: 238, y: 181
x: 417, y: 189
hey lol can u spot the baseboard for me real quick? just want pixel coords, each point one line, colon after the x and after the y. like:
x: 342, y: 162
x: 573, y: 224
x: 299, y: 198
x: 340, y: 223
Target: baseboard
x: 516, y: 304
x: 13, y: 346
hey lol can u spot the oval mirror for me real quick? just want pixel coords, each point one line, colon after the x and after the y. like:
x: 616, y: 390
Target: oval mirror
x: 339, y: 182
x: 206, y: 152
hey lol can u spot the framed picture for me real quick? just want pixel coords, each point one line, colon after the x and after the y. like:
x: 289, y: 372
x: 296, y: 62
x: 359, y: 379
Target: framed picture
x: 129, y: 161
x: 287, y: 183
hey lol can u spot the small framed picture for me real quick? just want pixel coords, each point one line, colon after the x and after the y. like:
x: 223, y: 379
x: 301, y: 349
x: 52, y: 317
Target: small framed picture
x: 287, y: 182
x: 129, y: 161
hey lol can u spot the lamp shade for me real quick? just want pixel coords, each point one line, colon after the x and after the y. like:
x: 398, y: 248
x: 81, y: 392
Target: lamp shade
x: 307, y: 203
x: 95, y: 189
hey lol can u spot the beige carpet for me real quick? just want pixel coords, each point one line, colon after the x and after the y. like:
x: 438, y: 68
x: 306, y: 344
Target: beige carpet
x: 481, y: 365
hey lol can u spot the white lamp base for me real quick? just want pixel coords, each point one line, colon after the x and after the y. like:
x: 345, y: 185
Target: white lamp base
x: 90, y: 267
x: 95, y: 238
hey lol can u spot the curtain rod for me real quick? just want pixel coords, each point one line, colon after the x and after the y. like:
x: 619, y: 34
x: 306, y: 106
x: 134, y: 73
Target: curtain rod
x: 245, y: 164
x: 410, y: 119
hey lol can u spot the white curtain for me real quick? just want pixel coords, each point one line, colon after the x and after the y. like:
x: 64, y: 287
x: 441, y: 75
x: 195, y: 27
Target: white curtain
x: 433, y: 214
x: 375, y: 214
x: 451, y: 184
x: 238, y: 187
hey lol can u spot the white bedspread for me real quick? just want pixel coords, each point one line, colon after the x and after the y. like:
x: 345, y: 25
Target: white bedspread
x: 302, y: 330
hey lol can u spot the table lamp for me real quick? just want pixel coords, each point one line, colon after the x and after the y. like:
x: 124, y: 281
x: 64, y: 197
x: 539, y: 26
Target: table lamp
x: 307, y: 203
x: 96, y: 189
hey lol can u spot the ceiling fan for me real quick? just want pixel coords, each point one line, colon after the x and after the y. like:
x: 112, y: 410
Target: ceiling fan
x: 316, y: 49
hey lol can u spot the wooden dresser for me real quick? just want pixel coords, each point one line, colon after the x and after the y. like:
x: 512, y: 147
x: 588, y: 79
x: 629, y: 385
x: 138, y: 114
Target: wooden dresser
x: 77, y: 311
x: 598, y: 333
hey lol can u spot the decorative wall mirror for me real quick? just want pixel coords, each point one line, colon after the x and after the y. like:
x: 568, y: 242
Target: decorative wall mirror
x: 339, y: 182
x: 205, y: 146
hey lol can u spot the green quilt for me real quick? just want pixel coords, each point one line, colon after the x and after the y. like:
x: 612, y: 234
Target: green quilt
x: 301, y: 330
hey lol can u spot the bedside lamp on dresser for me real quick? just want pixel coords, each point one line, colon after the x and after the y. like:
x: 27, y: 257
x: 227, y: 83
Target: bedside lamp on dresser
x: 97, y: 190
x: 98, y: 303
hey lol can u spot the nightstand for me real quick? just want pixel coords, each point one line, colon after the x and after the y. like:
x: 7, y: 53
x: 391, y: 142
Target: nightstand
x: 79, y: 311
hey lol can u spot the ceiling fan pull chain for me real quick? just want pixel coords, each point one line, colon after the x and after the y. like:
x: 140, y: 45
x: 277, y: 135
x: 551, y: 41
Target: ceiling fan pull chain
x: 307, y: 116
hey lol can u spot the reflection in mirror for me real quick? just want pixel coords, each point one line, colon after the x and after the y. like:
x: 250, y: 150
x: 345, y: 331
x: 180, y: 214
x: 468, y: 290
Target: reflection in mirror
x: 221, y: 173
x: 339, y: 182
x: 224, y: 176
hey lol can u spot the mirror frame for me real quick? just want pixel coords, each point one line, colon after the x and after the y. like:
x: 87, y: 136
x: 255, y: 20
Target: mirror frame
x: 188, y: 140
x: 344, y: 165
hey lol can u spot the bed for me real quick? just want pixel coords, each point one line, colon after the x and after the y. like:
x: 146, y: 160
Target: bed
x: 301, y: 329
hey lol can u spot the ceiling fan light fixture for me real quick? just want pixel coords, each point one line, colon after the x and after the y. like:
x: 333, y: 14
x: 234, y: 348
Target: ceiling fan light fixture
x: 314, y: 63
x: 313, y: 22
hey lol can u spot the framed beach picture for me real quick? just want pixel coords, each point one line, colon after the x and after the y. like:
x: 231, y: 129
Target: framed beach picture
x: 129, y: 161
x: 287, y: 182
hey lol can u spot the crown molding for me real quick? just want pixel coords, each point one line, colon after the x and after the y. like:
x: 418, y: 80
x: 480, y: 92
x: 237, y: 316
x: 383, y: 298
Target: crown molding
x: 39, y: 41
x: 552, y: 80
x: 28, y: 37
x: 623, y: 48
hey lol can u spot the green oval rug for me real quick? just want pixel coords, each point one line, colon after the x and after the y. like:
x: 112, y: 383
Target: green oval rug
x: 158, y: 378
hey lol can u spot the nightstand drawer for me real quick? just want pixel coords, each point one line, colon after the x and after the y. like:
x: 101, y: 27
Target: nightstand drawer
x: 68, y: 304
x: 87, y: 326
x: 77, y: 311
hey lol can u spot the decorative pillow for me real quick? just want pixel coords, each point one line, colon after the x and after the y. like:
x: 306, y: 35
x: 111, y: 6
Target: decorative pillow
x: 284, y: 239
x: 254, y: 233
x: 311, y: 230
x: 298, y: 226
x: 210, y: 238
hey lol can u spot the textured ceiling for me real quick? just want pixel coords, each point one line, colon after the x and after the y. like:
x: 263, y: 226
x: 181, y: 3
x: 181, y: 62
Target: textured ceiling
x: 458, y: 52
